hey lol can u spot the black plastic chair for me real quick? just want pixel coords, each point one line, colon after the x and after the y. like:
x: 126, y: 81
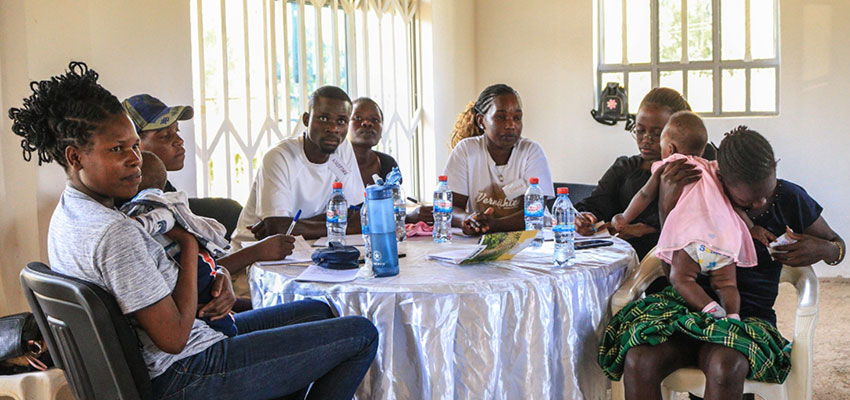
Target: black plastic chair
x: 578, y: 192
x: 87, y: 335
x: 220, y: 209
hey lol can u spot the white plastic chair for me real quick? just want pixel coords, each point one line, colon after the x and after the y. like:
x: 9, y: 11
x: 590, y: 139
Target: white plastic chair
x: 41, y: 385
x: 797, y: 386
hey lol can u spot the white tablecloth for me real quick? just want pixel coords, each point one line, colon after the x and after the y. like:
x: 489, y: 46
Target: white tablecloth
x: 516, y: 329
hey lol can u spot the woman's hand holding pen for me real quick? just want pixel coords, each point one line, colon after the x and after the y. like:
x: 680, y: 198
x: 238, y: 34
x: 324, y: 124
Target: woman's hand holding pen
x: 586, y: 223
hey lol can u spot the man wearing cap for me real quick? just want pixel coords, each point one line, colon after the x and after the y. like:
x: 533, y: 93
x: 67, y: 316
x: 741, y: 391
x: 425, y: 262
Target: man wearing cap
x: 156, y: 124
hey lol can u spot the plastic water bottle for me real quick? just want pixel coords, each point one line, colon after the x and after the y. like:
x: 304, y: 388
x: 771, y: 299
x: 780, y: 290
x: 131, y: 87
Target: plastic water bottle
x: 384, y: 246
x: 442, y: 211
x: 364, y: 229
x: 400, y: 209
x: 564, y: 229
x: 337, y: 216
x: 534, y: 205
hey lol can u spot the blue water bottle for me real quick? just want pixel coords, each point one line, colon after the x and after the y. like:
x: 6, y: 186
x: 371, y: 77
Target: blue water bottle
x: 382, y: 229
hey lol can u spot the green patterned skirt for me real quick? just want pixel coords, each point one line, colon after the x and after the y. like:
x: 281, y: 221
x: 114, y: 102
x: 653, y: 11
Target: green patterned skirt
x: 652, y: 320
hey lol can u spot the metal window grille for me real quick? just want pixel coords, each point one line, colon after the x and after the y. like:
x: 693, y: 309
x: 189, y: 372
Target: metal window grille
x: 722, y: 55
x: 257, y: 61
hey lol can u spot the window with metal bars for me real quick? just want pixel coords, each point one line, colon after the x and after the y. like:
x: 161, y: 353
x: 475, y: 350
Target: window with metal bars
x: 722, y: 55
x: 256, y: 62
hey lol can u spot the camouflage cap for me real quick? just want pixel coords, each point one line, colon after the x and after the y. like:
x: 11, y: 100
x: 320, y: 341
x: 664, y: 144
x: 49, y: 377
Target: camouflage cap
x: 148, y: 113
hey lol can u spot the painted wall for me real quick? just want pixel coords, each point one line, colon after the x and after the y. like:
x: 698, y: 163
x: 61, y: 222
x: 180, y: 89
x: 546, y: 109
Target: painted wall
x: 135, y: 46
x: 448, y: 69
x: 544, y: 49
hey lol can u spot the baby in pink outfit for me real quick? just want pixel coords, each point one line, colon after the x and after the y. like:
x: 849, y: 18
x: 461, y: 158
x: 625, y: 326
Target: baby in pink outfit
x: 703, y: 233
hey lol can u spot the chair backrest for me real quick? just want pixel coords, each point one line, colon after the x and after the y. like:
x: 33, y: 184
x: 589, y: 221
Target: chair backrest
x: 87, y: 335
x: 578, y: 192
x: 225, y: 211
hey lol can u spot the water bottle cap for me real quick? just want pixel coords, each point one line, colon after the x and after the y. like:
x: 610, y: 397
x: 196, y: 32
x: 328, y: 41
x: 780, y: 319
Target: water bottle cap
x: 563, y: 190
x: 337, y: 185
x: 534, y: 181
x: 378, y: 192
x: 443, y: 178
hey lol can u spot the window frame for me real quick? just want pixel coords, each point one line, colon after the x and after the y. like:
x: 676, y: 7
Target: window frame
x: 357, y: 27
x: 716, y: 64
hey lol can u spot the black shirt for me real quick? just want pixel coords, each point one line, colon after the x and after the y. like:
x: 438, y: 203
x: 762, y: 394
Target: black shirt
x: 759, y: 285
x: 387, y: 163
x: 613, y: 194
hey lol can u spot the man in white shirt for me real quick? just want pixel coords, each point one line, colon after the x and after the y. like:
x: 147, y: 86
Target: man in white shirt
x: 298, y: 174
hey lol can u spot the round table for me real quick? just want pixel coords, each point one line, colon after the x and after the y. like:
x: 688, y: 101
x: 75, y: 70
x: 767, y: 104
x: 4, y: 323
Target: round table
x: 517, y: 329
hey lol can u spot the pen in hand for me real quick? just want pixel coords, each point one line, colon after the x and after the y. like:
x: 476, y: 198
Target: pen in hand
x: 292, y: 224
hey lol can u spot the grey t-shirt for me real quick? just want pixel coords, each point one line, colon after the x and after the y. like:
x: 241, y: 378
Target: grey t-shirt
x: 101, y: 245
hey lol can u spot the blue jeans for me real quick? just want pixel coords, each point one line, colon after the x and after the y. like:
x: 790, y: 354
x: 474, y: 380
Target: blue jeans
x: 279, y: 351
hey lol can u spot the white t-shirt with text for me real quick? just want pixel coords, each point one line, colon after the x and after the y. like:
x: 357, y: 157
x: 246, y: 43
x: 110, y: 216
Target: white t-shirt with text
x: 287, y: 182
x: 473, y: 173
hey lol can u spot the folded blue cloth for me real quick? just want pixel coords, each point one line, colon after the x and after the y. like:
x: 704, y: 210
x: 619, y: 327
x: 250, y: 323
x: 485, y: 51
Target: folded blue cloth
x: 337, y: 256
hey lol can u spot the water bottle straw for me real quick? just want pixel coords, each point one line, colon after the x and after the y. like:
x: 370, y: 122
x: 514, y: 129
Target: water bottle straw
x: 292, y: 224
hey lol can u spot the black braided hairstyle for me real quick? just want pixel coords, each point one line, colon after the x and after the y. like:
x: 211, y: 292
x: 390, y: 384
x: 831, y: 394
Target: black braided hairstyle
x: 63, y: 111
x: 466, y: 125
x: 745, y: 156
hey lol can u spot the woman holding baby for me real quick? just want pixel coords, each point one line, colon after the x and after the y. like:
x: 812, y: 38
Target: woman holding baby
x: 652, y: 337
x: 629, y: 173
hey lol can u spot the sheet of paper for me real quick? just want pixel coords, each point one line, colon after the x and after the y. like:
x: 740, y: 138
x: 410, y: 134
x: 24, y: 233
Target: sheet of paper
x: 301, y: 254
x: 350, y: 240
x: 315, y: 273
x: 536, y: 255
x: 549, y: 236
x: 455, y: 253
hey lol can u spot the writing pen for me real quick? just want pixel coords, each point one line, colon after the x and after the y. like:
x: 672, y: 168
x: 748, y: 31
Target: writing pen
x: 292, y: 224
x: 583, y: 218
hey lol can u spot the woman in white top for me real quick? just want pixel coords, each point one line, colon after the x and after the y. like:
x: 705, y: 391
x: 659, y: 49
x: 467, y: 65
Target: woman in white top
x: 491, y: 164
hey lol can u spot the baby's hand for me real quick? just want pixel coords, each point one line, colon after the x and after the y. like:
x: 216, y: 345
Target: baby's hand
x: 762, y: 235
x: 619, y: 222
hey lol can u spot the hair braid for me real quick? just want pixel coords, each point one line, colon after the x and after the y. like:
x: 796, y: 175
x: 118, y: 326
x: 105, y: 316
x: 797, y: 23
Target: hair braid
x: 61, y: 112
x: 466, y: 125
x: 745, y: 156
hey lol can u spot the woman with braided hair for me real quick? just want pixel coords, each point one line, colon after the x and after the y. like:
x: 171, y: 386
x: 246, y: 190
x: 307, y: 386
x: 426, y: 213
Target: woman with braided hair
x: 652, y: 337
x: 72, y: 120
x: 491, y: 164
